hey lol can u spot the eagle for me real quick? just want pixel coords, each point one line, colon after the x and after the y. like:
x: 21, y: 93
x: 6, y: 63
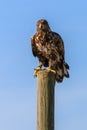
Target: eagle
x: 48, y: 46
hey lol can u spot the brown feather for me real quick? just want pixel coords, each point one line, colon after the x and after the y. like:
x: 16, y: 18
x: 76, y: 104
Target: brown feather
x: 48, y: 46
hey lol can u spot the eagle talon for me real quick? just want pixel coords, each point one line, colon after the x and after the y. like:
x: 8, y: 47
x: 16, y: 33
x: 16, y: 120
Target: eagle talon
x: 36, y: 70
x: 35, y: 73
x: 50, y: 70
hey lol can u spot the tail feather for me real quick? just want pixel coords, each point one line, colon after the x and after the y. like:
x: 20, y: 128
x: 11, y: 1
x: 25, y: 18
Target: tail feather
x: 66, y: 65
x: 61, y: 72
x: 66, y: 74
x: 59, y: 75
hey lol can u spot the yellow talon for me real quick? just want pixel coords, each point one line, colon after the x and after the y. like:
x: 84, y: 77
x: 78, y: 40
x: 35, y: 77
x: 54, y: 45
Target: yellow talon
x: 35, y: 73
x: 36, y: 70
x: 50, y: 70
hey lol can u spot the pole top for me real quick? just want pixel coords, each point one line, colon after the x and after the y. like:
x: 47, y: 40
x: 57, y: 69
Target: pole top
x: 44, y: 75
x: 45, y: 72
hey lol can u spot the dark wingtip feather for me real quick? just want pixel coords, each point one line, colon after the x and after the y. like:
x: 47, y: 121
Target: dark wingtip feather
x: 66, y: 65
x: 67, y: 75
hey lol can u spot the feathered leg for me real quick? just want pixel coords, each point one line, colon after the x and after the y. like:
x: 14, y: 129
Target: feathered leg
x: 50, y: 68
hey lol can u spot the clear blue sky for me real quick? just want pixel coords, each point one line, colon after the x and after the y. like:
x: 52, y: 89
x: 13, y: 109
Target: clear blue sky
x: 18, y: 90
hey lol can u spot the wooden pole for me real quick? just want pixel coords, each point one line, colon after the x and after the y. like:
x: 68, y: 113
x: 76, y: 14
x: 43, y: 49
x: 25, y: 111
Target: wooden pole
x: 45, y: 100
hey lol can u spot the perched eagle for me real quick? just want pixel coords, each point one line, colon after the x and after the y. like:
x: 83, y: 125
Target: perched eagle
x: 48, y: 46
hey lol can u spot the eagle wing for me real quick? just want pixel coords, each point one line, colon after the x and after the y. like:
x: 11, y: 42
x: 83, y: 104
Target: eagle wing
x: 33, y: 45
x: 59, y: 45
x: 56, y: 56
x: 60, y: 49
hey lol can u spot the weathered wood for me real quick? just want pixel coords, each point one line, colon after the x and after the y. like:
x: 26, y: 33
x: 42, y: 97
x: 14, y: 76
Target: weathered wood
x: 45, y: 100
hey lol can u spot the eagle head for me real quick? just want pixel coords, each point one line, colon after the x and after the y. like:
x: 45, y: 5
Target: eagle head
x: 43, y: 25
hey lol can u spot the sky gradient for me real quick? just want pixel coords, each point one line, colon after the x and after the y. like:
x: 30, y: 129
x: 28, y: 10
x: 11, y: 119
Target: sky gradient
x: 18, y: 91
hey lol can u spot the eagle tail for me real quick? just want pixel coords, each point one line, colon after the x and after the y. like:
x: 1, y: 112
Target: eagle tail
x: 65, y: 68
x: 62, y: 72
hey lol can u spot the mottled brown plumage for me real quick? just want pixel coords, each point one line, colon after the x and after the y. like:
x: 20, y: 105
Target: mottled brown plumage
x: 48, y: 46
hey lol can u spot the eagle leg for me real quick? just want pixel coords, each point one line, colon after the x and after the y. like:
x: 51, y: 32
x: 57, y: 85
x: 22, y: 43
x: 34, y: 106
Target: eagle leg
x: 51, y: 70
x: 37, y: 69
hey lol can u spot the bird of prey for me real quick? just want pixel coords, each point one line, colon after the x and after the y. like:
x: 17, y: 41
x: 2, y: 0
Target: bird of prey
x: 48, y: 46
